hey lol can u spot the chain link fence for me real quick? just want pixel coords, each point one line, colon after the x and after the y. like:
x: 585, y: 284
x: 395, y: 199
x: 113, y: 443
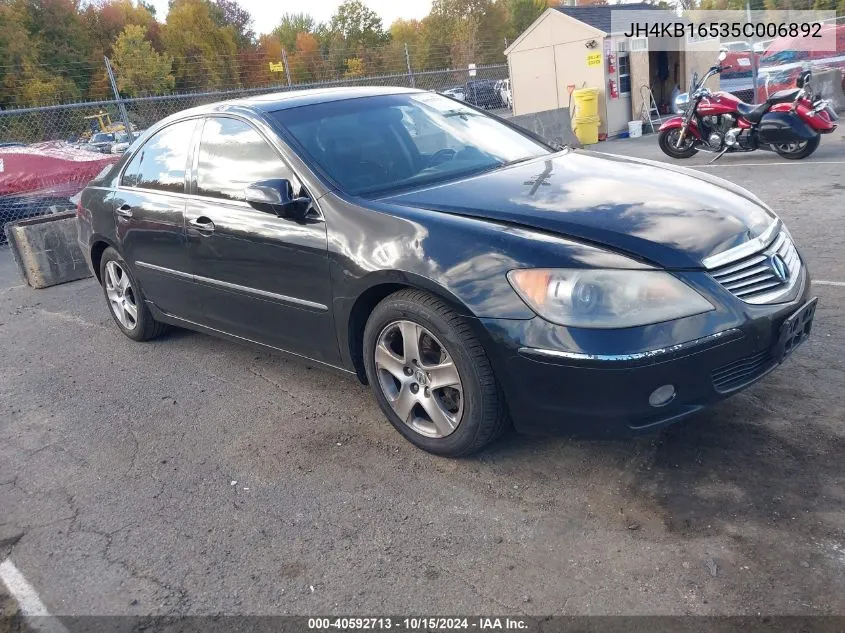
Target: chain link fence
x: 68, y: 122
x: 60, y: 131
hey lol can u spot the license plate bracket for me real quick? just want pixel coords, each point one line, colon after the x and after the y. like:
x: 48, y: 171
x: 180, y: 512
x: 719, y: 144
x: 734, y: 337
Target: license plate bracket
x: 795, y: 330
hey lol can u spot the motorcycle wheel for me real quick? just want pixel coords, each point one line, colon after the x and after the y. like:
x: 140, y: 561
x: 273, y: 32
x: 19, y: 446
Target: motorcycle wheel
x: 796, y: 151
x: 668, y: 139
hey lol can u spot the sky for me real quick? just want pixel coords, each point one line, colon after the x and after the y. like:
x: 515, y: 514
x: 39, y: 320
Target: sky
x: 267, y: 13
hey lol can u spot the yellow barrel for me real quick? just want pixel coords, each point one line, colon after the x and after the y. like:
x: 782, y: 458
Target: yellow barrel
x: 586, y: 102
x: 586, y: 128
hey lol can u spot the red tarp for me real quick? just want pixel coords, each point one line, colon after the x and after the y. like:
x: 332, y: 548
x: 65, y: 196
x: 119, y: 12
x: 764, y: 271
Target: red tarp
x: 51, y: 168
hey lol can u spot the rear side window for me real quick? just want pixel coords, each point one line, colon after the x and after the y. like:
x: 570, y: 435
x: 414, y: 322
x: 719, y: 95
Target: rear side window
x: 233, y: 156
x: 161, y: 162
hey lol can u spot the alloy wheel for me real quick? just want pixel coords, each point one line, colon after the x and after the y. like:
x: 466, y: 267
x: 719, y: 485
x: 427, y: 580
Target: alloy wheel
x: 791, y: 148
x: 121, y: 295
x: 419, y: 379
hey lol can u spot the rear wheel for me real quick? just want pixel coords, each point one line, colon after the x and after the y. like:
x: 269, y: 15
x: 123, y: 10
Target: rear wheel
x: 431, y: 376
x: 125, y: 299
x: 796, y: 151
x: 668, y: 141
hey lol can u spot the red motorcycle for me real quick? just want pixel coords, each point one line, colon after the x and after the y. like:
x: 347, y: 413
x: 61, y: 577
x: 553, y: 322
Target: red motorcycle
x: 789, y: 122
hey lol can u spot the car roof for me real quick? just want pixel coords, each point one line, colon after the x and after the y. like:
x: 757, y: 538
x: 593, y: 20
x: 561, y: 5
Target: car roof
x: 275, y: 101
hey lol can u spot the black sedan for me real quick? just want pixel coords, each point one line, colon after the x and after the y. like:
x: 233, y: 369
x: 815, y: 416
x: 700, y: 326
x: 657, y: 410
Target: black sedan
x: 467, y: 271
x: 483, y: 94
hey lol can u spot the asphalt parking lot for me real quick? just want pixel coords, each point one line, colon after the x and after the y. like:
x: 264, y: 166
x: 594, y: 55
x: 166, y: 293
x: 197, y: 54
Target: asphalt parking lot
x: 191, y: 475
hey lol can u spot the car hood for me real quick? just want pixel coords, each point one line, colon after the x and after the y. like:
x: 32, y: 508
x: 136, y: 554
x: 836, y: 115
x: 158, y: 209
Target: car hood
x: 667, y: 215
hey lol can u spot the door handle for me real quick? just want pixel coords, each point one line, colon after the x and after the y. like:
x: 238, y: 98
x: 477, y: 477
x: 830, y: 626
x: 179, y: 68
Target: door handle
x: 203, y: 224
x: 125, y: 211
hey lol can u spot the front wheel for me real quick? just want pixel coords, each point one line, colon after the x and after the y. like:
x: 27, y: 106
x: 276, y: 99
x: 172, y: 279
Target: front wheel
x: 668, y: 141
x: 796, y: 151
x: 431, y: 376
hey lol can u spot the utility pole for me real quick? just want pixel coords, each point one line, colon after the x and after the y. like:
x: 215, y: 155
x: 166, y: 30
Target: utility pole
x: 753, y: 55
x: 408, y: 62
x: 120, y: 107
x: 285, y: 62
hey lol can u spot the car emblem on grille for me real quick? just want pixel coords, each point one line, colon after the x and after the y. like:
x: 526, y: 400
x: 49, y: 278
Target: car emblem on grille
x: 779, y: 267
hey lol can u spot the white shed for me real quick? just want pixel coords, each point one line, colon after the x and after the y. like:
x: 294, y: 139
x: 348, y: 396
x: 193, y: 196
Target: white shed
x: 573, y: 46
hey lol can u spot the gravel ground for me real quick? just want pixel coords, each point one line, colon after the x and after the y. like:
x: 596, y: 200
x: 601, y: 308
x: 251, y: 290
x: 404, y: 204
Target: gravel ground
x: 194, y: 476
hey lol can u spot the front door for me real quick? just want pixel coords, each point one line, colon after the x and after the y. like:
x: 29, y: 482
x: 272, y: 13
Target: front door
x: 262, y: 277
x: 149, y: 216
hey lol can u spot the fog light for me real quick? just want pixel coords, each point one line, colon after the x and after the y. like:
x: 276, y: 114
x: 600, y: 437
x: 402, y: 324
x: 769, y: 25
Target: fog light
x: 662, y: 396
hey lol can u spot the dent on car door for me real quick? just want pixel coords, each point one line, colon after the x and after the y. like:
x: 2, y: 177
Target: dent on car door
x: 150, y: 222
x: 262, y: 277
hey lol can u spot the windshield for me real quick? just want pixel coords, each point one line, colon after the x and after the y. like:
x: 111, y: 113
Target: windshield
x: 102, y: 138
x: 376, y: 144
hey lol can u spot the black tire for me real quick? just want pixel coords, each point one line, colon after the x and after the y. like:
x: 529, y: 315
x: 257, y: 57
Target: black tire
x: 145, y: 326
x: 484, y: 412
x: 667, y: 139
x: 801, y: 152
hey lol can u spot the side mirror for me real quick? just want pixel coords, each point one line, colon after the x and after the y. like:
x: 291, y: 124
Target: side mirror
x: 276, y: 195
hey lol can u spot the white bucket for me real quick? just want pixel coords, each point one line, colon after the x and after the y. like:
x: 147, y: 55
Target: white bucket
x: 635, y: 128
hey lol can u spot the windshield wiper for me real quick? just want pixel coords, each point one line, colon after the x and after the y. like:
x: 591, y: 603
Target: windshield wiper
x: 518, y: 160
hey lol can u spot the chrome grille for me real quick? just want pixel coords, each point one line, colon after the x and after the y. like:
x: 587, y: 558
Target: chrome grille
x: 754, y: 277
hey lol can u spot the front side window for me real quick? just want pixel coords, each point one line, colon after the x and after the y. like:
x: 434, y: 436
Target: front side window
x: 160, y: 163
x: 375, y: 144
x: 233, y: 156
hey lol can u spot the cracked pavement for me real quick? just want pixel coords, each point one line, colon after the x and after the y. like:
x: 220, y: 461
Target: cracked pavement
x: 191, y: 475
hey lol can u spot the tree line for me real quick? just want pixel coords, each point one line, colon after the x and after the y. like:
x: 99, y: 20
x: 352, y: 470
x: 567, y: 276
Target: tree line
x: 52, y: 51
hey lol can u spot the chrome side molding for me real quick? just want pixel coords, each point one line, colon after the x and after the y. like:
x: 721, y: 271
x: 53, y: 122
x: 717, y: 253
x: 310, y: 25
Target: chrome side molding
x: 236, y: 287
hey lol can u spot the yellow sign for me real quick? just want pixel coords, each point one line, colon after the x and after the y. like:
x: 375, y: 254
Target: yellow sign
x: 593, y: 59
x: 277, y: 67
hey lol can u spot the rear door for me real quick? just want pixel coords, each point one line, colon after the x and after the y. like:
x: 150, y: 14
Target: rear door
x: 150, y: 219
x: 263, y: 277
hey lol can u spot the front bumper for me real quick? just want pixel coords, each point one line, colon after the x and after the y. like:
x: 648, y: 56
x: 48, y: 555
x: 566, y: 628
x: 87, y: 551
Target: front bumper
x: 553, y: 392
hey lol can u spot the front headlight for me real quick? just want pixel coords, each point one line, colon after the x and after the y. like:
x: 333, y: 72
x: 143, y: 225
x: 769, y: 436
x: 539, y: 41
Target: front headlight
x: 597, y: 298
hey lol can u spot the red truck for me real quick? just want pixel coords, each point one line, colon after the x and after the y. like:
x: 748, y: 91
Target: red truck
x: 786, y: 57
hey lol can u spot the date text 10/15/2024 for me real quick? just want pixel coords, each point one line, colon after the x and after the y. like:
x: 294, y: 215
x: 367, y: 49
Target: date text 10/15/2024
x: 431, y: 623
